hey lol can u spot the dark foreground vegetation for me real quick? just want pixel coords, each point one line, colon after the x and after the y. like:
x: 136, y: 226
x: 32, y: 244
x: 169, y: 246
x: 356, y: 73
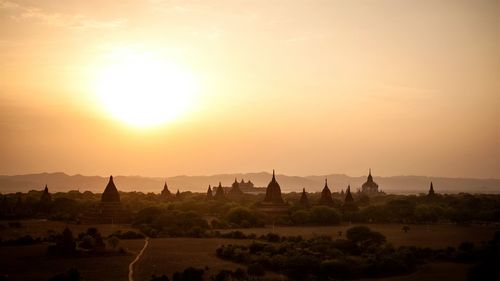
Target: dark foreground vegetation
x: 363, y: 253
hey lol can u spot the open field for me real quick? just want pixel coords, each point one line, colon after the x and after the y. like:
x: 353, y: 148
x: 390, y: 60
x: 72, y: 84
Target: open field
x: 31, y: 263
x: 168, y: 255
x: 40, y: 228
x: 433, y: 236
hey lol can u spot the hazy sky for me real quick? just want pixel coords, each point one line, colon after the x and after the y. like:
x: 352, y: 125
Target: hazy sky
x: 305, y: 87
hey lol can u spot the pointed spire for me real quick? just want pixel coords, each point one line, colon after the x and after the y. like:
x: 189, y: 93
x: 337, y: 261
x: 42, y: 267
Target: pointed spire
x: 46, y: 189
x: 348, y: 196
x: 431, y: 190
x: 370, y: 171
x: 235, y: 180
x: 326, y: 182
x: 273, y: 175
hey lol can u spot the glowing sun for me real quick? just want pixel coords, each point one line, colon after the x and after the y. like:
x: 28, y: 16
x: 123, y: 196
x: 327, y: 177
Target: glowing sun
x: 143, y: 90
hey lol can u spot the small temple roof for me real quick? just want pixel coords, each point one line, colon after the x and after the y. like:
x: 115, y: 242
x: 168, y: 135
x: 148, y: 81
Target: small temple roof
x: 110, y: 194
x: 348, y: 196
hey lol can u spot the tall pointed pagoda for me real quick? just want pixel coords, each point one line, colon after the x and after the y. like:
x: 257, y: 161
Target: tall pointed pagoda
x: 348, y: 196
x: 273, y: 202
x: 304, y: 201
x: 326, y: 195
x: 46, y: 197
x: 110, y: 194
x: 210, y: 195
x: 165, y: 193
x: 431, y: 191
x: 109, y: 210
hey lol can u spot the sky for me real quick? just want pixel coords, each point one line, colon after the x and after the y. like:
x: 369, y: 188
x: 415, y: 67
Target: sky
x: 303, y: 87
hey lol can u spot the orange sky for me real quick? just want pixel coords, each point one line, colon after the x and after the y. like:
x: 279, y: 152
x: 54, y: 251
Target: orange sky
x: 305, y: 87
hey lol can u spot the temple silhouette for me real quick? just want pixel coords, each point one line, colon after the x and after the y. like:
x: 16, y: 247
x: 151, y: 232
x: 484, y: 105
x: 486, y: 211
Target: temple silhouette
x: 370, y: 187
x: 109, y: 210
x: 273, y: 203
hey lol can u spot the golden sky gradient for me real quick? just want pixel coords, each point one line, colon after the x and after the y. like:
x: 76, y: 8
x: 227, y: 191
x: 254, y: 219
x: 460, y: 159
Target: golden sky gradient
x: 305, y: 87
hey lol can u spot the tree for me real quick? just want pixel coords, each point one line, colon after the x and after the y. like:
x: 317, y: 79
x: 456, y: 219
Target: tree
x: 324, y: 215
x: 364, y: 237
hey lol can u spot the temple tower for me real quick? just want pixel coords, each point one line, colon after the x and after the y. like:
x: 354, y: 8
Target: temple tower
x: 46, y: 197
x: 219, y: 193
x: 304, y: 201
x: 348, y: 196
x: 165, y: 193
x: 210, y: 196
x: 273, y: 192
x: 326, y: 196
x: 235, y: 191
x: 431, y: 191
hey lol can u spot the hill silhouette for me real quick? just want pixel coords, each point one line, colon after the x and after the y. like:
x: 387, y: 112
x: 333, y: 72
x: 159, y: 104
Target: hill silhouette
x: 394, y: 184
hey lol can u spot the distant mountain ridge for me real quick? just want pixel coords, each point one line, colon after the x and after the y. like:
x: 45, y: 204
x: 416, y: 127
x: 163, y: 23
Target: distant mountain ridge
x: 61, y: 182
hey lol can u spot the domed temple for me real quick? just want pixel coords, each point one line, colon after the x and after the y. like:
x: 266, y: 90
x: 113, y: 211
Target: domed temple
x: 273, y: 202
x: 109, y: 210
x: 369, y: 186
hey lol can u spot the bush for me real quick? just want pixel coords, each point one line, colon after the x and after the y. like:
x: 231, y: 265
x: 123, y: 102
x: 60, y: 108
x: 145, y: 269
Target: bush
x: 256, y: 269
x: 301, y: 217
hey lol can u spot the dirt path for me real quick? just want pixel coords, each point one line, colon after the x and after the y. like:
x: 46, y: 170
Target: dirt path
x: 131, y: 265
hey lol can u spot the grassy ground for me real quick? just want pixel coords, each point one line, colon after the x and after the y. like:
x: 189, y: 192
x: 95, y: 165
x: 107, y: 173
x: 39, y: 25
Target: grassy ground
x: 30, y: 263
x: 434, y: 236
x: 168, y: 255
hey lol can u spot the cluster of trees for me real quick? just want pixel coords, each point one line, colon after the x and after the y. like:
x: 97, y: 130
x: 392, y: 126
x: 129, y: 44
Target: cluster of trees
x: 459, y: 208
x: 364, y: 253
x: 90, y: 242
x: 253, y: 272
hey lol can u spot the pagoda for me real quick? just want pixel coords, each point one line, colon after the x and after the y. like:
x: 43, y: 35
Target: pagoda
x: 304, y: 201
x: 46, y: 197
x: 349, y: 205
x: 235, y: 192
x: 369, y: 187
x: 219, y: 193
x: 273, y: 202
x: 210, y: 196
x: 109, y: 210
x: 165, y: 193
x: 326, y: 196
x: 431, y: 191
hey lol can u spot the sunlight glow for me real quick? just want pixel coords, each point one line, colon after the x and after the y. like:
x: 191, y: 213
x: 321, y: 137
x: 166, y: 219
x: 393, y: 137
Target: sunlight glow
x: 143, y: 90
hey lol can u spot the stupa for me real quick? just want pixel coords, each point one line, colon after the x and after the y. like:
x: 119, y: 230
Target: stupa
x: 273, y: 202
x: 109, y: 210
x: 326, y: 196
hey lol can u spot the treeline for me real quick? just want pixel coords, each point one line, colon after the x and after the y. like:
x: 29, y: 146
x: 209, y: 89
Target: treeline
x: 159, y: 216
